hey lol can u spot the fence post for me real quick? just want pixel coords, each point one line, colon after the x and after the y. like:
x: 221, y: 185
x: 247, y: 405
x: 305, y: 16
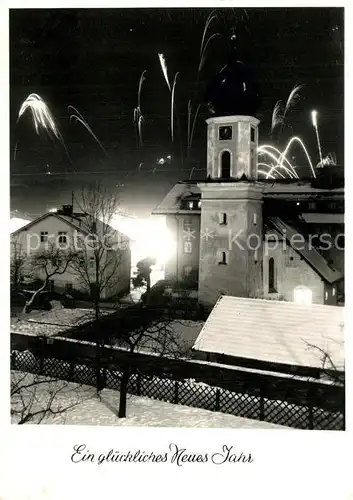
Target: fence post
x: 310, y: 408
x: 72, y: 371
x: 262, y: 403
x: 138, y: 384
x: 217, y: 405
x: 176, y: 392
x: 13, y: 360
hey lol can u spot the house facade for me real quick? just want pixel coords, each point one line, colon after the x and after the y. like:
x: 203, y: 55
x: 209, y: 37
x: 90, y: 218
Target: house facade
x: 243, y: 236
x: 67, y: 232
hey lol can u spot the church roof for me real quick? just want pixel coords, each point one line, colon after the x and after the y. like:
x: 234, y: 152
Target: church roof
x: 290, y: 333
x: 172, y: 201
x: 309, y: 254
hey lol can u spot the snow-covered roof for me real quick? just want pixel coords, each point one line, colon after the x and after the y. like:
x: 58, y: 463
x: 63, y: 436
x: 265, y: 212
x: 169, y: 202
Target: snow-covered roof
x: 54, y: 322
x: 274, y: 331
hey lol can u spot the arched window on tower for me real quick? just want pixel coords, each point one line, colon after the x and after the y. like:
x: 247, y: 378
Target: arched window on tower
x: 225, y: 165
x: 271, y: 276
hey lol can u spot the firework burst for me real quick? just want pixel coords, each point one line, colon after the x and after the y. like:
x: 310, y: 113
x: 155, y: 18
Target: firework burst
x: 43, y: 119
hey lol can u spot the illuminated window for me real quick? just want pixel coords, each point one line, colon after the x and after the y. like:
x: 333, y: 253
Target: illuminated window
x: 333, y: 292
x: 187, y: 247
x: 326, y: 295
x: 186, y: 224
x: 225, y: 165
x: 254, y: 219
x: 190, y: 205
x: 303, y: 295
x: 199, y: 204
x: 271, y: 276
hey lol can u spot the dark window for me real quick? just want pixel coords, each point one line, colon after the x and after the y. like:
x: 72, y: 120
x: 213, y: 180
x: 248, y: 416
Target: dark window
x: 62, y: 237
x: 223, y: 258
x: 252, y: 134
x: 223, y: 219
x: 43, y: 236
x: 225, y: 165
x: 271, y: 276
x: 225, y: 133
x: 68, y: 287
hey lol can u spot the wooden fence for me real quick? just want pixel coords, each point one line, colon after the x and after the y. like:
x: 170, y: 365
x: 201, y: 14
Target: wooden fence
x: 278, y: 398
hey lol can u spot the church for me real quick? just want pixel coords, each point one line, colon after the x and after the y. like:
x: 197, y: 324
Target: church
x: 240, y: 235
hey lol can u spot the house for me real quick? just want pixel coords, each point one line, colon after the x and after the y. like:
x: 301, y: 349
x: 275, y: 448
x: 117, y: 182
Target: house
x: 242, y: 235
x: 67, y: 231
x: 273, y: 336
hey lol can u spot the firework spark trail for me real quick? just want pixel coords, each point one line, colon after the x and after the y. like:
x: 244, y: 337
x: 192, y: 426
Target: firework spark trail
x: 292, y: 99
x: 142, y: 79
x: 191, y: 172
x: 207, y: 25
x: 79, y: 118
x: 300, y: 142
x: 140, y: 123
x: 314, y: 120
x: 193, y: 124
x: 172, y: 106
x: 264, y: 150
x: 267, y: 165
x: 276, y: 115
x: 203, y: 55
x: 163, y: 64
x: 268, y: 176
x: 189, y: 122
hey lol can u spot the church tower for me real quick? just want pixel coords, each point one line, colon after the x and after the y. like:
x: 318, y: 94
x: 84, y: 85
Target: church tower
x: 231, y: 232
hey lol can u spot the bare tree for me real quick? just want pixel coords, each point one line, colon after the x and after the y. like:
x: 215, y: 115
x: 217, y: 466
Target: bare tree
x: 18, y: 263
x: 143, y: 329
x: 101, y: 248
x: 35, y: 398
x: 46, y: 264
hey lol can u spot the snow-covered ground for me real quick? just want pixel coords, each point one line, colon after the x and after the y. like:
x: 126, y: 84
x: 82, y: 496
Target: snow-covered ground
x: 141, y: 412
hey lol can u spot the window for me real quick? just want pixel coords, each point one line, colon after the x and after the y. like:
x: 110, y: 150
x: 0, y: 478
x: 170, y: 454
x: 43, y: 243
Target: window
x: 62, y: 237
x: 312, y: 206
x: 187, y: 247
x: 254, y: 219
x: 252, y: 134
x: 333, y: 291
x: 190, y: 205
x: 225, y: 133
x: 187, y: 224
x: 43, y: 236
x: 68, y: 287
x: 91, y: 262
x: 326, y: 295
x: 187, y: 271
x: 199, y: 204
x: 271, y: 276
x: 222, y: 258
x: 225, y: 165
x: 223, y: 219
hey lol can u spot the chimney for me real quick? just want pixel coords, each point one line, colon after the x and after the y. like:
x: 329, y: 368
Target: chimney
x: 67, y: 210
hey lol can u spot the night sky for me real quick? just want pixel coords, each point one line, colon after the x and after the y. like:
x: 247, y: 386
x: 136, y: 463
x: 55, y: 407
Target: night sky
x: 92, y: 59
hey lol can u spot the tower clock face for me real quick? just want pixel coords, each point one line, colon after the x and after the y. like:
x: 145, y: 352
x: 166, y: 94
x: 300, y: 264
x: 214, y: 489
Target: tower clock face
x: 225, y: 133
